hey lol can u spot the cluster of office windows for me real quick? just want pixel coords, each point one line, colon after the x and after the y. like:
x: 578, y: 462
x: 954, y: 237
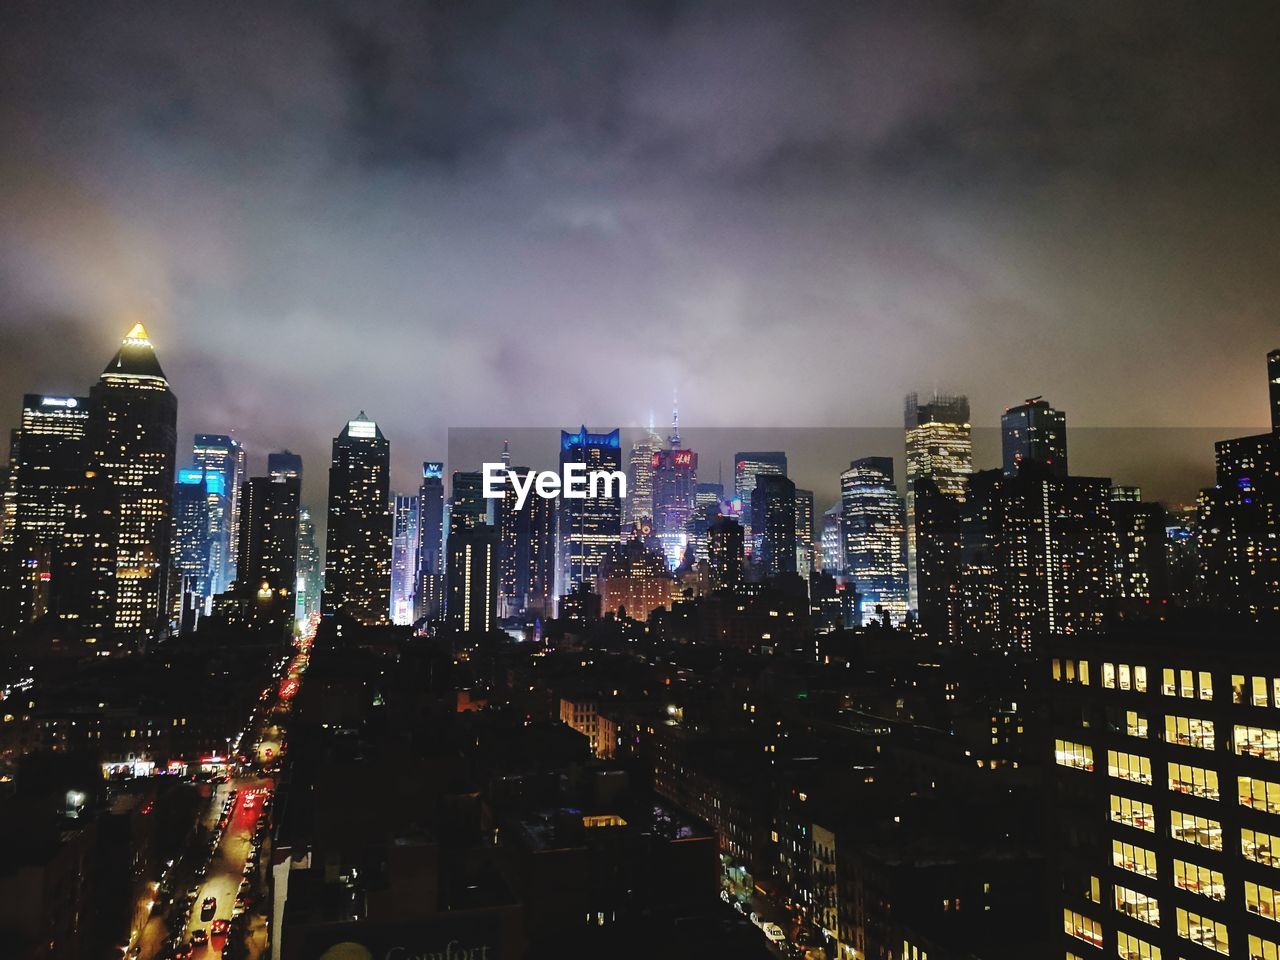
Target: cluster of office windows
x: 1260, y: 847
x: 1261, y: 795
x: 1134, y: 903
x: 1191, y: 684
x: 1071, y: 671
x: 1133, y: 813
x: 1190, y: 828
x: 1077, y: 755
x: 1129, y: 766
x: 1197, y: 879
x: 1256, y: 691
x: 1203, y: 930
x: 1262, y: 900
x: 1257, y: 742
x: 1130, y: 947
x: 1122, y: 676
x: 1135, y: 859
x: 1079, y: 926
x: 1189, y: 732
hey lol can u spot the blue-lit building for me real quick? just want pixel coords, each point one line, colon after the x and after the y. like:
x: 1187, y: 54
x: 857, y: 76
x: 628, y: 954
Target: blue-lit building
x: 199, y: 504
x: 589, y: 526
x: 875, y: 546
x: 221, y: 455
x: 429, y: 595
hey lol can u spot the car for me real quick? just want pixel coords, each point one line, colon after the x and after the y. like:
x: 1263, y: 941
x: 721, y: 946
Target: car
x: 208, y: 906
x: 199, y: 937
x: 219, y: 928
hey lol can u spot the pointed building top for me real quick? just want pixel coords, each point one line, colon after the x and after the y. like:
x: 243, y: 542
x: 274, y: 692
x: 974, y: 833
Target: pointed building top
x: 136, y: 359
x: 362, y: 428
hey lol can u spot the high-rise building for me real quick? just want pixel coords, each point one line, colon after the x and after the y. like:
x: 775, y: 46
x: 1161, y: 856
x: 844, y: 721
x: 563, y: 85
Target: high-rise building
x: 46, y: 532
x: 773, y: 524
x: 831, y: 539
x: 675, y: 482
x: 223, y: 456
x: 132, y: 438
x: 357, y: 578
x: 429, y: 599
x: 194, y: 533
x: 939, y: 547
x: 708, y: 503
x: 1239, y: 522
x: 1057, y: 553
x: 284, y: 463
x: 1141, y: 561
x: 267, y: 567
x: 747, y: 465
x: 640, y: 477
x: 725, y: 552
x: 309, y: 580
x: 875, y: 537
x: 472, y: 578
x: 526, y: 550
x: 1163, y: 800
x: 404, y: 558
x: 1273, y: 385
x: 1034, y: 432
x: 468, y: 506
x: 590, y: 525
x: 804, y: 533
x: 939, y: 444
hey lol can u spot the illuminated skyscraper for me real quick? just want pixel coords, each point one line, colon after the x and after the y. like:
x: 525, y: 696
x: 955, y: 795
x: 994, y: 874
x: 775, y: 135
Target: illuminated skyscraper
x: 267, y: 568
x: 429, y: 598
x: 804, y: 533
x: 132, y: 437
x: 309, y: 570
x: 875, y: 537
x: 635, y: 580
x: 471, y: 576
x: 197, y: 497
x: 587, y: 526
x: 1034, y: 432
x: 831, y: 539
x: 46, y: 532
x: 404, y: 558
x: 1239, y: 523
x: 675, y: 482
x: 221, y: 455
x: 939, y: 444
x: 724, y: 553
x: 357, y: 579
x: 773, y: 524
x: 1141, y: 561
x: 526, y: 550
x: 640, y: 477
x: 747, y: 466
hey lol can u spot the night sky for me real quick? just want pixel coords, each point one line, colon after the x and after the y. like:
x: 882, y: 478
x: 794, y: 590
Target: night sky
x: 536, y: 214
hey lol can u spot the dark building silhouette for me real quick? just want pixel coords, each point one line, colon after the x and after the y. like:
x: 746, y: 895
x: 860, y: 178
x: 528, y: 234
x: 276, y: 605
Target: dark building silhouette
x: 1034, y: 432
x: 429, y: 598
x: 773, y: 524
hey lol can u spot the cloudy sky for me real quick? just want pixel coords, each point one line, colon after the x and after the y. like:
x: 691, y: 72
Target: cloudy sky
x: 480, y: 213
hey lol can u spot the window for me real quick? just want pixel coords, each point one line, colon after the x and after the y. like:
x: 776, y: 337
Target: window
x: 1196, y: 781
x: 1071, y: 671
x: 1198, y: 879
x: 1138, y: 905
x: 1203, y: 930
x: 1140, y: 683
x: 1260, y: 949
x: 1201, y: 831
x: 1129, y: 766
x: 1258, y: 692
x: 1189, y: 732
x: 1135, y: 859
x: 1131, y: 948
x: 1124, y: 677
x: 1257, y: 742
x: 1206, y: 685
x: 1109, y: 676
x: 1077, y: 755
x: 1186, y: 683
x: 1259, y: 794
x: 1260, y: 847
x: 1081, y: 927
x: 1264, y: 901
x: 1135, y: 724
x: 1133, y: 813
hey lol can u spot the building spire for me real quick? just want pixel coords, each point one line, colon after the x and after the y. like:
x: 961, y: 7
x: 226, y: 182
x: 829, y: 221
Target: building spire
x: 675, y: 419
x: 506, y: 454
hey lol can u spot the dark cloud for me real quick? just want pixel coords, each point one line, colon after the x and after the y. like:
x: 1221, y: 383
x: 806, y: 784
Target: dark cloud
x: 463, y: 213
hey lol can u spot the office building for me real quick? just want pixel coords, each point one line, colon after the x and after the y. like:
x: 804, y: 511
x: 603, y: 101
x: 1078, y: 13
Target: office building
x: 284, y: 463
x: 45, y: 533
x: 831, y: 539
x: 268, y: 562
x: 132, y: 438
x: 587, y: 526
x: 773, y: 525
x: 357, y: 577
x: 472, y: 578
x: 526, y: 551
x: 193, y: 537
x: 873, y: 517
x: 725, y: 553
x: 1034, y: 432
x: 747, y: 465
x: 429, y: 596
x: 223, y: 456
x: 1164, y: 800
x: 640, y: 477
x: 805, y: 547
x: 1141, y: 544
x: 309, y: 580
x: 634, y: 580
x: 939, y: 445
x: 404, y: 558
x: 675, y: 482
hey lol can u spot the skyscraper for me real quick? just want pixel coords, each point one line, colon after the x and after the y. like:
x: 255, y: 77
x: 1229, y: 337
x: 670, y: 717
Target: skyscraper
x: 675, y: 482
x: 725, y: 553
x: 132, y: 435
x: 429, y: 598
x: 939, y: 444
x: 472, y: 578
x: 587, y: 526
x: 267, y: 567
x: 357, y: 580
x: 1141, y: 561
x: 1239, y: 522
x: 526, y: 550
x: 48, y: 483
x: 804, y: 532
x: 875, y: 537
x: 284, y: 463
x: 640, y: 477
x: 747, y: 466
x: 831, y: 539
x: 404, y: 558
x: 221, y: 455
x: 309, y: 570
x: 773, y: 524
x: 194, y: 533
x: 1034, y: 431
x: 1273, y: 384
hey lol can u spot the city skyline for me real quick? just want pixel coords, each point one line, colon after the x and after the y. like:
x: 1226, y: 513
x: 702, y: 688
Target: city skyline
x: 345, y: 218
